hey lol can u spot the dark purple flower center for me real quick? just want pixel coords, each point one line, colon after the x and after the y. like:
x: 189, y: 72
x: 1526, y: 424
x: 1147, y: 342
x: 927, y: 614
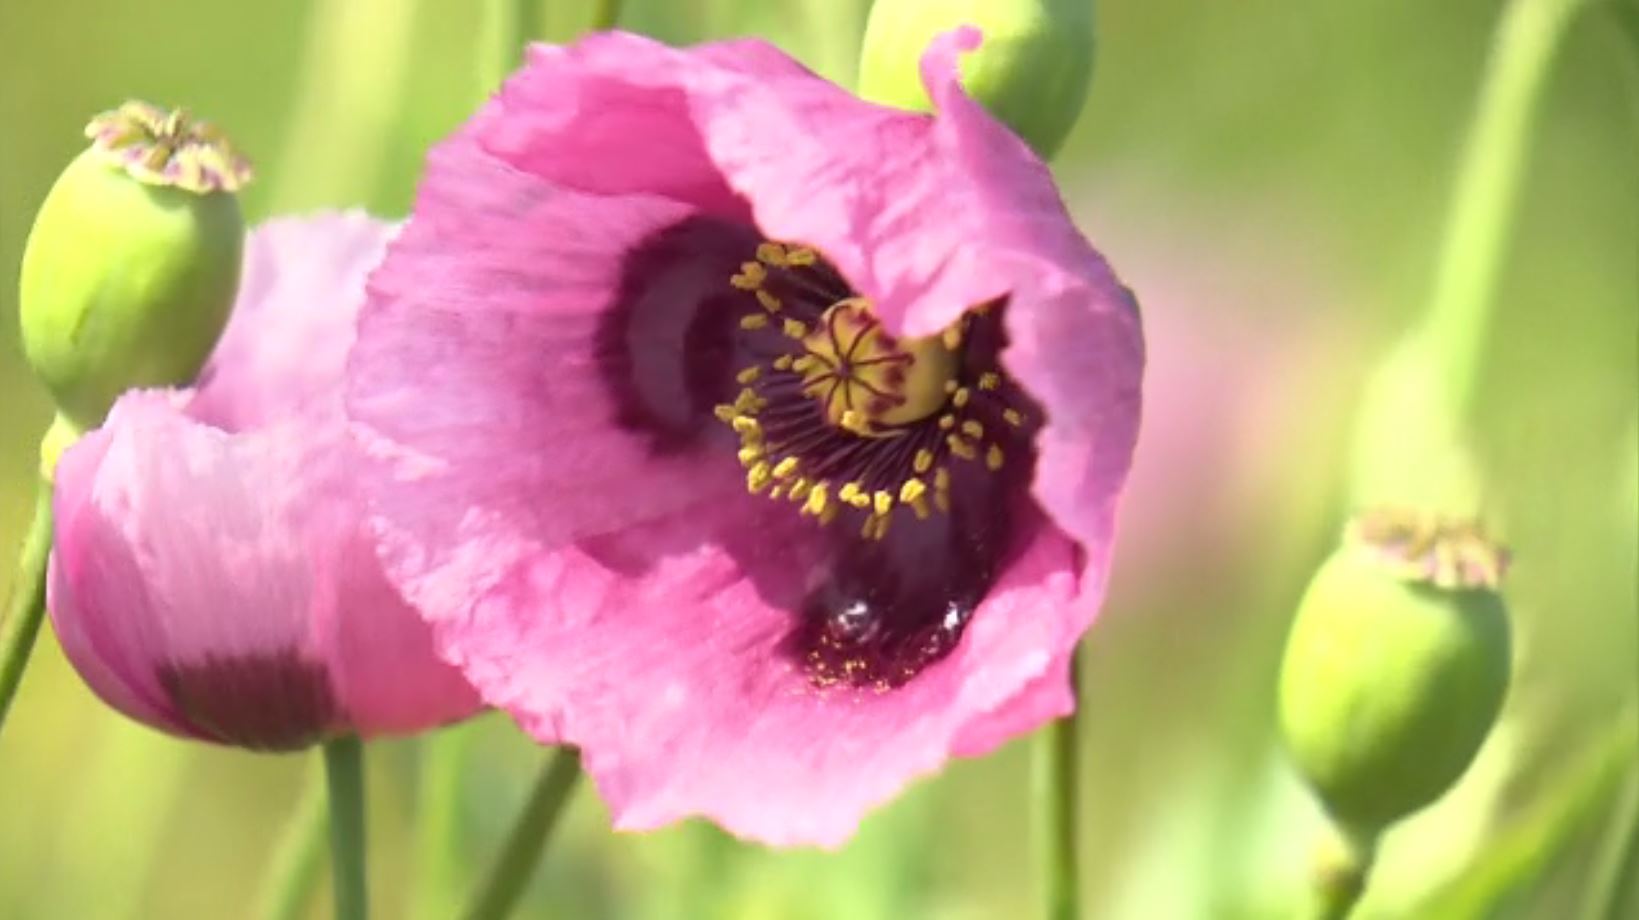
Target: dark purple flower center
x: 912, y: 452
x: 912, y: 457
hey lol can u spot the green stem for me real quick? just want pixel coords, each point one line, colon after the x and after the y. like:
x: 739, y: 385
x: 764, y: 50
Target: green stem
x: 293, y: 872
x: 438, y: 813
x: 508, y: 26
x: 28, y: 603
x: 605, y: 15
x: 1488, y: 181
x: 344, y: 778
x: 1342, y: 867
x: 1058, y: 807
x: 1618, y: 862
x: 524, y: 846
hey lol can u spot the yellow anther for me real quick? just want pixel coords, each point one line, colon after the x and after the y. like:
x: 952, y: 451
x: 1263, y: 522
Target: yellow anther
x: 923, y: 461
x: 757, y: 478
x: 962, y: 448
x: 818, y: 497
x: 782, y: 363
x: 805, y: 363
x: 973, y: 429
x: 785, y: 468
x: 960, y: 397
x: 801, y: 255
x: 881, y: 502
x: 748, y: 402
x: 725, y: 413
x: 777, y: 491
x: 746, y: 426
x: 853, y: 421
x: 914, y: 492
x: 1014, y: 417
x: 947, y: 422
x: 754, y: 321
x: 941, y: 480
x: 799, y: 489
x: 772, y: 253
x: 952, y: 337
x: 994, y: 457
x: 769, y: 301
x: 875, y: 527
x: 749, y: 375
x: 989, y: 380
x: 847, y: 492
x: 751, y: 276
x: 950, y: 386
x: 795, y: 329
x: 750, y: 455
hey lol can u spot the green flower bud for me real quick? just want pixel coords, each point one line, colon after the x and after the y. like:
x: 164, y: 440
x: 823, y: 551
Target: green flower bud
x: 131, y: 268
x: 1032, y: 71
x: 1396, y: 666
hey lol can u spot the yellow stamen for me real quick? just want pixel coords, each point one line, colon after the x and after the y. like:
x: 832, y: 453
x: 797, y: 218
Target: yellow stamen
x: 772, y: 253
x: 795, y: 329
x: 961, y: 448
x: 994, y: 458
x: 960, y: 397
x: 757, y: 478
x: 882, y: 502
x: 754, y: 321
x: 749, y: 375
x: 923, y: 461
x: 1014, y: 417
x: 769, y: 301
x: 989, y: 380
x: 785, y: 468
x: 973, y: 429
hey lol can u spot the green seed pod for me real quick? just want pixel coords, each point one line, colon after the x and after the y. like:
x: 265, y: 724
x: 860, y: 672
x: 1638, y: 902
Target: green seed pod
x: 1396, y: 666
x: 1032, y: 71
x: 131, y: 269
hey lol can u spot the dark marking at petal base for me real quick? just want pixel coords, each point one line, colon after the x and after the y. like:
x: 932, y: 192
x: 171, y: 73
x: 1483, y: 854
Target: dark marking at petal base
x: 665, y: 346
x: 277, y: 702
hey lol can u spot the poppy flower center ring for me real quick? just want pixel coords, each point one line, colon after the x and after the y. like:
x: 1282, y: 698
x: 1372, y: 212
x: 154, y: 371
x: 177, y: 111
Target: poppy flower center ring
x: 837, y: 414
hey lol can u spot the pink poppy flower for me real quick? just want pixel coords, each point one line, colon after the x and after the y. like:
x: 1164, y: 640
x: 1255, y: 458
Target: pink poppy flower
x: 763, y: 442
x: 212, y: 576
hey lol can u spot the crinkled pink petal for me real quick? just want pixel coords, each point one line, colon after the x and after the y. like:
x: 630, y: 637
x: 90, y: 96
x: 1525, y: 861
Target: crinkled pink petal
x: 630, y: 597
x: 287, y: 341
x: 221, y: 584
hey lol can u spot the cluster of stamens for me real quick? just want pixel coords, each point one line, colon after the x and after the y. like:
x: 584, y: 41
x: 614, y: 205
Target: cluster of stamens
x: 837, y: 414
x: 1449, y: 553
x: 164, y: 147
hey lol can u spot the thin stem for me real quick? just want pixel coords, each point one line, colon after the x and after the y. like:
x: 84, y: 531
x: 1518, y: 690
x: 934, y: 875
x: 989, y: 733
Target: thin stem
x: 28, y: 602
x: 1618, y: 862
x: 344, y: 778
x: 508, y: 26
x: 1488, y: 181
x: 438, y: 812
x: 293, y: 872
x: 1058, y: 807
x: 605, y: 15
x: 1342, y: 865
x: 524, y: 846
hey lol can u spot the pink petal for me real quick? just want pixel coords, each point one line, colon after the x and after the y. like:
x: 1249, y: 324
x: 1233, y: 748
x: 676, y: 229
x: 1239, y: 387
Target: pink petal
x: 222, y: 585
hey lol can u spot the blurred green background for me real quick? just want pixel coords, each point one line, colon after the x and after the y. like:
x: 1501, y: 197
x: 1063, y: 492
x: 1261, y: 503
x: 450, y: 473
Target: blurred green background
x: 1270, y: 177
